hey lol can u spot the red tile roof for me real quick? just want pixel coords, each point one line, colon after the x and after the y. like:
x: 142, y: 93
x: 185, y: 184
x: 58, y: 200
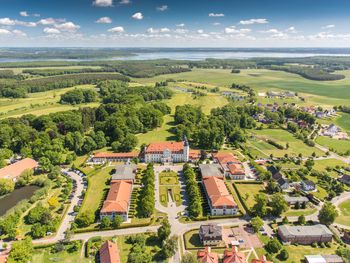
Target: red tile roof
x: 225, y: 158
x: 233, y: 256
x: 206, y: 256
x: 116, y: 155
x: 109, y: 253
x: 261, y: 260
x: 217, y: 192
x: 161, y: 146
x: 235, y: 168
x: 195, y: 154
x: 14, y: 170
x: 118, y: 197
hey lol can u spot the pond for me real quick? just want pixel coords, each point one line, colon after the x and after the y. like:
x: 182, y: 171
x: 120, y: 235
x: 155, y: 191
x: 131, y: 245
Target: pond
x: 10, y: 200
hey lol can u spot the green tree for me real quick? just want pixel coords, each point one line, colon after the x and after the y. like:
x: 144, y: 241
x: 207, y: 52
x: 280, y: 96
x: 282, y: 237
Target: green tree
x: 117, y: 221
x: 169, y: 247
x: 283, y: 255
x: 260, y: 206
x: 38, y: 230
x: 257, y: 223
x: 105, y: 222
x: 164, y: 230
x: 301, y: 220
x: 85, y: 219
x: 6, y: 186
x: 278, y: 204
x: 21, y: 251
x: 327, y: 214
x: 189, y: 258
x: 273, y: 246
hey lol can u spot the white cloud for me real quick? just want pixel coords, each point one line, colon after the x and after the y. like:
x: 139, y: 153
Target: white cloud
x: 36, y: 15
x: 23, y: 13
x: 103, y: 3
x: 68, y: 26
x: 164, y: 30
x: 51, y: 30
x: 181, y: 31
x: 180, y: 25
x: 162, y: 8
x: 19, y: 33
x: 104, y: 20
x: 125, y: 2
x: 254, y: 21
x: 234, y: 30
x: 27, y: 24
x: 216, y: 24
x: 4, y: 32
x: 48, y: 21
x: 7, y: 22
x: 292, y: 30
x: 328, y: 26
x: 118, y: 29
x: 137, y: 16
x: 200, y: 31
x: 216, y: 15
x: 15, y: 32
x: 152, y: 30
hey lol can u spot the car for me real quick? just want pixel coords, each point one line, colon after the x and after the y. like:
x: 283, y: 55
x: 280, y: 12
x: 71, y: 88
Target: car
x: 241, y: 241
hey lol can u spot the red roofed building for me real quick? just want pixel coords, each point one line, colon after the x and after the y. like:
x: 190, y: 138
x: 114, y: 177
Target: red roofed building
x: 109, y: 253
x: 195, y: 155
x: 233, y: 256
x: 167, y: 152
x: 206, y: 256
x: 13, y: 171
x: 118, y: 200
x: 231, y: 165
x: 262, y: 259
x: 102, y: 157
x: 220, y: 200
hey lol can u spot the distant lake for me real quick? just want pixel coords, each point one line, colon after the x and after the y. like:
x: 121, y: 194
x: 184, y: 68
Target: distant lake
x: 197, y: 54
x: 12, y: 199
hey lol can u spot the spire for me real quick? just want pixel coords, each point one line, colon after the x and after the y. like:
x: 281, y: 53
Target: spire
x: 185, y: 141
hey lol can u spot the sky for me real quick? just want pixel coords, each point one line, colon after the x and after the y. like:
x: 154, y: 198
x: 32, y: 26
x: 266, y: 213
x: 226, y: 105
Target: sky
x: 175, y: 23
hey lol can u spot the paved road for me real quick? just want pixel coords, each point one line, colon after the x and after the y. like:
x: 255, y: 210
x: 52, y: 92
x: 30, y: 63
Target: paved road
x: 69, y: 218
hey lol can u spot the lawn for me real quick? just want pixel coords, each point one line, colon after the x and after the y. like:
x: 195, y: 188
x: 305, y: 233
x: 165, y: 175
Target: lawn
x: 321, y: 165
x: 168, y: 178
x: 282, y: 137
x: 40, y: 103
x: 299, y: 212
x: 344, y: 215
x: 97, y: 181
x: 248, y: 191
x: 344, y: 122
x: 339, y: 146
x: 175, y: 193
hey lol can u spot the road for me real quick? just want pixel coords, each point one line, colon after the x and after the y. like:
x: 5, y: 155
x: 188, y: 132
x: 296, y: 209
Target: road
x: 69, y: 218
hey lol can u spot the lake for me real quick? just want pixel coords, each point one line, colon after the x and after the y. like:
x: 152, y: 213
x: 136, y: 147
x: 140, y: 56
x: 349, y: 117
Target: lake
x: 10, y: 200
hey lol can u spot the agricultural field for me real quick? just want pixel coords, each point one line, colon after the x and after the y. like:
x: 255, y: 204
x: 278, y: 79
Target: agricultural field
x: 344, y: 122
x: 339, y: 146
x: 282, y: 137
x: 40, y: 103
x: 344, y: 213
x: 322, y: 165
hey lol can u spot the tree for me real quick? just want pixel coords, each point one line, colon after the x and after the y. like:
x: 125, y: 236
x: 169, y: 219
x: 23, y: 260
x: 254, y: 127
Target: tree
x: 278, y: 204
x: 21, y: 251
x: 257, y: 223
x: 116, y: 222
x: 284, y: 255
x: 169, y: 247
x: 327, y: 214
x: 260, y: 206
x: 105, y: 222
x: 85, y: 219
x: 301, y: 220
x: 6, y: 186
x: 273, y: 246
x: 164, y: 230
x: 285, y: 220
x: 189, y: 258
x: 38, y: 230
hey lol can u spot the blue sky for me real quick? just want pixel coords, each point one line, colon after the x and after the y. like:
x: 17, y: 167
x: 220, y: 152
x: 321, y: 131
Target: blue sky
x: 175, y: 23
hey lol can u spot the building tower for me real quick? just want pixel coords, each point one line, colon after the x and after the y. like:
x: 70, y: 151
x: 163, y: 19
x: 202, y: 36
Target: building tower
x: 186, y: 149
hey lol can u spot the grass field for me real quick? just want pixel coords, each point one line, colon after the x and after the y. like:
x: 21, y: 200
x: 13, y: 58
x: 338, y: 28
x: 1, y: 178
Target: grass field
x: 39, y: 103
x: 169, y: 182
x: 45, y: 256
x: 339, y: 146
x: 344, y: 122
x: 299, y: 212
x: 321, y: 165
x: 97, y: 186
x: 344, y: 215
x: 248, y: 191
x: 282, y: 137
x: 322, y: 92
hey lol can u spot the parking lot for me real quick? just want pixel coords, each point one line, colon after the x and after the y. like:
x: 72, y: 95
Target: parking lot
x: 242, y: 236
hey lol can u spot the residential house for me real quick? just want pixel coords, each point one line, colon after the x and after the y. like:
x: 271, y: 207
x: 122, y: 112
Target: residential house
x: 282, y: 182
x: 195, y: 155
x: 167, y: 152
x: 13, y: 171
x: 234, y: 256
x: 117, y: 202
x: 305, y: 235
x: 125, y: 172
x: 220, y: 200
x: 210, y: 234
x: 323, y: 259
x: 308, y: 185
x: 102, y: 157
x: 292, y: 200
x: 109, y: 253
x: 208, y: 170
x: 345, y: 179
x: 346, y: 237
x: 262, y: 259
x: 206, y: 256
x: 231, y: 166
x: 331, y: 131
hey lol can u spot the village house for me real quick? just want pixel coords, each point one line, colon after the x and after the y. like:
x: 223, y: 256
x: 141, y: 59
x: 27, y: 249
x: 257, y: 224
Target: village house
x: 208, y: 170
x: 220, y: 200
x: 345, y: 179
x: 102, y: 157
x: 231, y: 166
x: 210, y: 234
x: 308, y: 185
x: 292, y: 200
x: 305, y: 235
x: 278, y: 177
x: 109, y: 253
x: 323, y: 259
x: 234, y: 256
x: 206, y: 256
x: 13, y: 171
x: 167, y: 152
x: 117, y: 202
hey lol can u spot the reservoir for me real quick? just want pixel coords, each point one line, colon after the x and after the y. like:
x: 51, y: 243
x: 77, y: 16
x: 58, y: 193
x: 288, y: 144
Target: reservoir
x: 10, y: 200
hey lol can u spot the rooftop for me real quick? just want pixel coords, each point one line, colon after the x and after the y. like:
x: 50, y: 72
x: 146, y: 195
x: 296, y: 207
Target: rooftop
x: 109, y: 253
x: 262, y: 259
x: 14, y: 170
x: 217, y: 192
x: 314, y: 230
x: 206, y: 256
x: 162, y: 146
x: 233, y: 256
x: 125, y: 172
x: 296, y: 199
x: 210, y: 230
x: 116, y: 155
x: 118, y: 197
x: 211, y: 170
